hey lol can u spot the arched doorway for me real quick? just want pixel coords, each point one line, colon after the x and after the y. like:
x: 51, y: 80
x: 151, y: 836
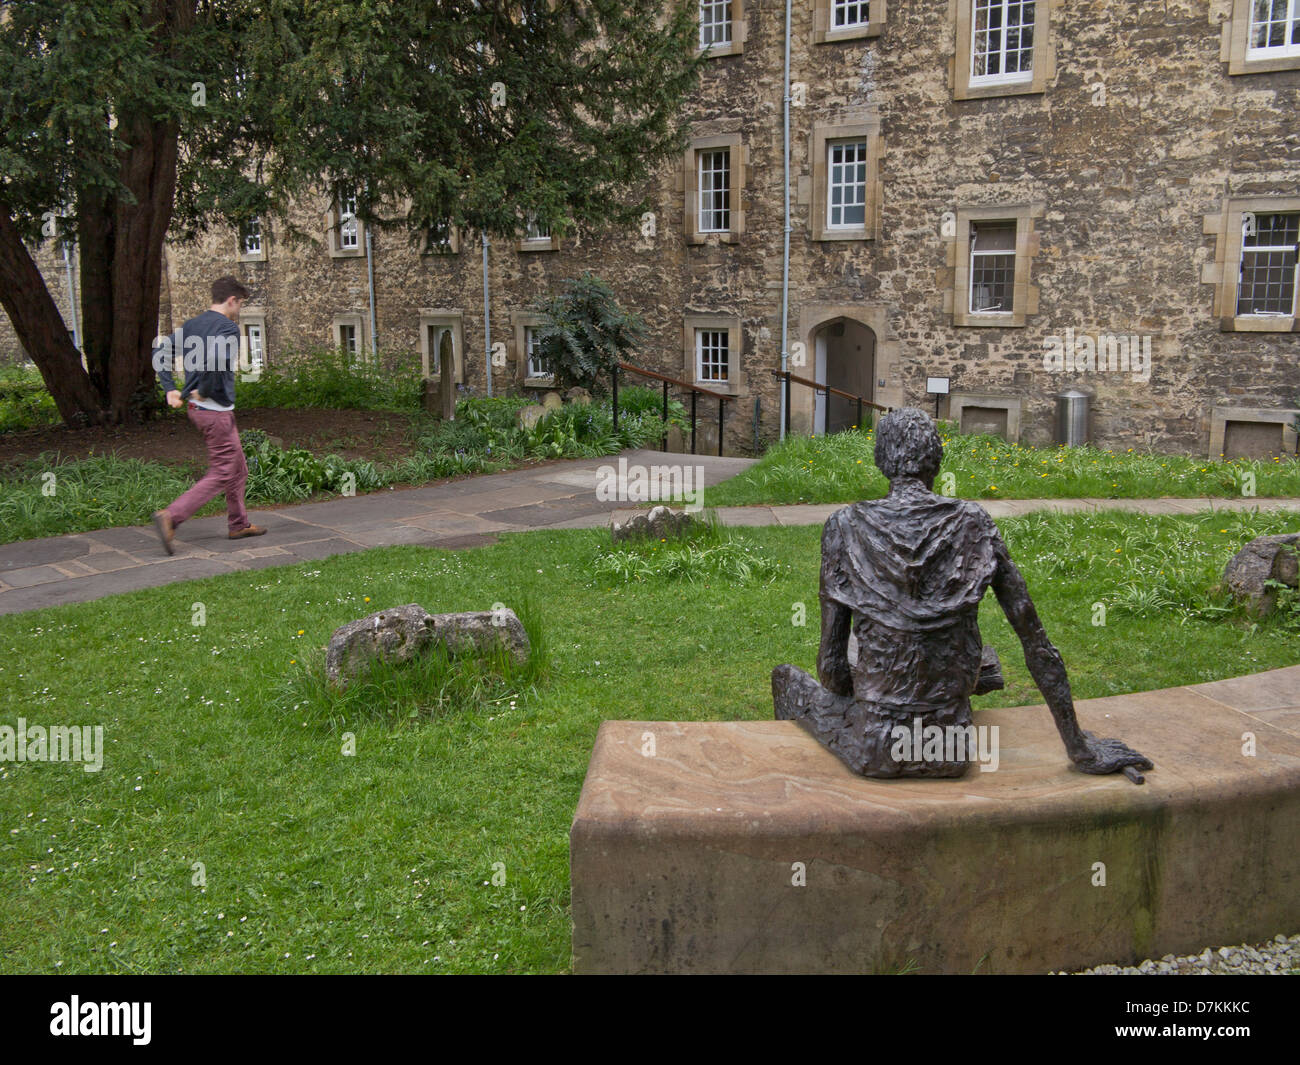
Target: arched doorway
x: 845, y: 359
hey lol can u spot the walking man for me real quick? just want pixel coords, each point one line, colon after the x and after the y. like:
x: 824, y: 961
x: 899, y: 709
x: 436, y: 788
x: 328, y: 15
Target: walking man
x: 210, y: 349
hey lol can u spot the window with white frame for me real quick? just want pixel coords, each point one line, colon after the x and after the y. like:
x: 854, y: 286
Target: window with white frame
x: 1267, y: 281
x: 537, y: 366
x: 537, y: 231
x: 846, y: 14
x: 1002, y: 41
x: 255, y: 337
x: 1274, y: 29
x: 715, y: 190
x: 348, y: 338
x: 992, y: 267
x: 846, y: 190
x: 349, y: 232
x: 250, y: 237
x: 712, y: 355
x: 715, y: 22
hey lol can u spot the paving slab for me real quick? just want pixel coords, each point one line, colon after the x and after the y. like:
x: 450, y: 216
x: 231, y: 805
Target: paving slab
x: 449, y: 523
x: 390, y: 535
x: 105, y: 561
x: 548, y: 513
x: 27, y: 553
x: 133, y: 540
x: 84, y: 589
x: 33, y: 575
x: 748, y: 847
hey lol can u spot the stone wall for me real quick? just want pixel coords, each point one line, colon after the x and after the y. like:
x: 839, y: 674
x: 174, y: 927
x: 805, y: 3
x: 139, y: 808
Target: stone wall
x: 1117, y: 170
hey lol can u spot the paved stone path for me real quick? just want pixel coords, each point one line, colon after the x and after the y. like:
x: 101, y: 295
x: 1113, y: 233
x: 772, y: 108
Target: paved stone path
x: 464, y: 513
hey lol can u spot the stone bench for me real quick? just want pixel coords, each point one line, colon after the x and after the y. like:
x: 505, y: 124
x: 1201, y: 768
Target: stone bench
x: 691, y: 840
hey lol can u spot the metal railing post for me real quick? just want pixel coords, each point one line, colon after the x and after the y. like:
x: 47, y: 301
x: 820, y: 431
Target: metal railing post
x: 663, y: 444
x: 616, y: 398
x: 694, y: 397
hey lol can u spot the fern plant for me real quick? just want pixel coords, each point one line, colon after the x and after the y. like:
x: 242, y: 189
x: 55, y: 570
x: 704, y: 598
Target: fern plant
x: 585, y: 333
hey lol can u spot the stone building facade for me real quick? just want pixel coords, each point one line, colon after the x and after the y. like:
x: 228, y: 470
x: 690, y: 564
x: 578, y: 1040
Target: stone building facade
x: 1014, y: 197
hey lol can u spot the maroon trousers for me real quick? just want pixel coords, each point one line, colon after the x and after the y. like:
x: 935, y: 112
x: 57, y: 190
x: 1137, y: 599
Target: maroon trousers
x: 227, y: 470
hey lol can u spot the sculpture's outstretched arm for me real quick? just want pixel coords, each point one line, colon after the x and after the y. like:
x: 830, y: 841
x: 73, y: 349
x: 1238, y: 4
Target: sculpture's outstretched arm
x: 833, y: 656
x: 1090, y: 754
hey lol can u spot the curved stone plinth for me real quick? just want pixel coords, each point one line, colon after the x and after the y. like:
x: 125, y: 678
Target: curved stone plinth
x: 748, y: 847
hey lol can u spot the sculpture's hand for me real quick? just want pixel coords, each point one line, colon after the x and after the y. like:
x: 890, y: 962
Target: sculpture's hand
x: 1101, y: 756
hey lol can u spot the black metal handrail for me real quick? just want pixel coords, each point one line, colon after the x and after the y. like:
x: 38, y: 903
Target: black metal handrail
x: 817, y: 386
x: 695, y: 390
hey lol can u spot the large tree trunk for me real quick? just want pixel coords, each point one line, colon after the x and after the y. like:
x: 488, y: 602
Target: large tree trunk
x: 140, y: 230
x: 41, y: 330
x: 121, y: 245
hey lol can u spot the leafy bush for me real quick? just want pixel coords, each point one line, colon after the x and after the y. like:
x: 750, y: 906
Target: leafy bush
x: 24, y: 401
x: 336, y: 380
x: 275, y: 475
x: 586, y: 333
x: 489, y: 429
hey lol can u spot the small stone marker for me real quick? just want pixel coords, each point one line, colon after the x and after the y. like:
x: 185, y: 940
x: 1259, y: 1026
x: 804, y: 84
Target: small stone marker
x: 402, y: 633
x: 530, y: 415
x: 1265, y: 558
x: 552, y: 401
x: 577, y: 394
x: 659, y: 523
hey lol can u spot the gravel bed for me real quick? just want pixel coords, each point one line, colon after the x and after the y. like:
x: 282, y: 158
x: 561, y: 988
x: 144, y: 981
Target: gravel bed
x: 1278, y: 956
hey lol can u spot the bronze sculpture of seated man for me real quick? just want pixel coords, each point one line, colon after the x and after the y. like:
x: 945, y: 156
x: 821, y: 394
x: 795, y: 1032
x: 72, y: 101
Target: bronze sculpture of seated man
x: 908, y: 572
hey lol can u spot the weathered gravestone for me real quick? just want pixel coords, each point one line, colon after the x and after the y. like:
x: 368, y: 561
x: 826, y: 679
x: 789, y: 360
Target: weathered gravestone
x: 1264, y: 559
x: 530, y: 415
x: 402, y: 633
x: 658, y: 523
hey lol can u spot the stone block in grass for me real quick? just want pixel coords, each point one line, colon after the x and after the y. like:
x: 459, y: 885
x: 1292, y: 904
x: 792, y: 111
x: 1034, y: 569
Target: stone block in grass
x: 400, y: 634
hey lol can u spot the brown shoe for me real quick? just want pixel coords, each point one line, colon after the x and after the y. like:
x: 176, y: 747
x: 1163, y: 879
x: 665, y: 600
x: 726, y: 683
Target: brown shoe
x: 162, y: 521
x: 248, y: 530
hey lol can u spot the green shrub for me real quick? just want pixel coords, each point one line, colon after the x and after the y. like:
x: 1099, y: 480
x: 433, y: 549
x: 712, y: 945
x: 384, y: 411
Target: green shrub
x: 336, y: 380
x: 276, y: 475
x: 24, y: 401
x: 586, y: 333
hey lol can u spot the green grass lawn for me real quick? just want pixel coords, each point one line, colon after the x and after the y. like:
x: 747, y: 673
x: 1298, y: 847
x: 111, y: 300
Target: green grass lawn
x: 441, y: 845
x: 840, y: 469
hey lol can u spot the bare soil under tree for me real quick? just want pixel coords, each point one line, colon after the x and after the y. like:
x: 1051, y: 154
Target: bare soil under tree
x: 354, y: 434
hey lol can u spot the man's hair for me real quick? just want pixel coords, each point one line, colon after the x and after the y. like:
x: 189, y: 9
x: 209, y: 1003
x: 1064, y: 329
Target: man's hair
x: 225, y: 287
x: 907, y: 445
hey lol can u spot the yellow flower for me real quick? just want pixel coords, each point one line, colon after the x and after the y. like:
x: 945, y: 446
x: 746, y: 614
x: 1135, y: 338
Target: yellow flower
x: 367, y: 599
x: 293, y: 661
x: 1117, y: 550
x: 300, y: 631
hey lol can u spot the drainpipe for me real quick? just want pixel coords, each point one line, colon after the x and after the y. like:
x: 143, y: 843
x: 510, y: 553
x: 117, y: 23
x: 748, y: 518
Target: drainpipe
x: 370, y: 274
x: 487, y: 319
x: 72, y: 298
x: 785, y: 251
